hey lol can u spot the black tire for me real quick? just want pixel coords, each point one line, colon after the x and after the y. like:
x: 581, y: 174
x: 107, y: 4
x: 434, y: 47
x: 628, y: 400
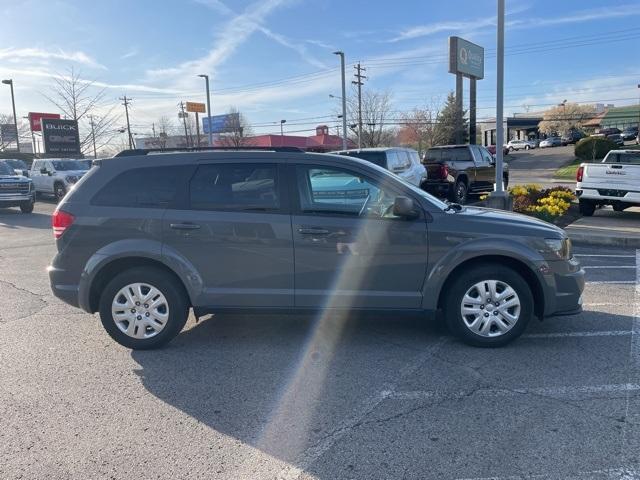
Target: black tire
x: 619, y: 207
x: 457, y: 290
x: 505, y: 181
x: 172, y: 290
x: 586, y: 207
x: 27, y: 207
x: 59, y: 191
x: 510, y: 149
x: 459, y: 192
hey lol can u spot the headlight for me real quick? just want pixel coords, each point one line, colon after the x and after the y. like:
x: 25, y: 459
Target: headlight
x: 561, y: 247
x: 72, y: 179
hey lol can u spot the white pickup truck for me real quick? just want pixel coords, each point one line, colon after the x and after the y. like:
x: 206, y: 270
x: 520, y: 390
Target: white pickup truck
x: 615, y: 181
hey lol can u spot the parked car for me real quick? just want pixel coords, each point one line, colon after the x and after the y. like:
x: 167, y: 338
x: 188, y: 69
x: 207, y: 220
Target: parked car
x: 613, y: 182
x: 521, y: 145
x: 19, y: 166
x: 56, y: 176
x: 571, y: 138
x: 616, y: 138
x: 630, y: 133
x: 551, y: 142
x: 455, y: 171
x: 15, y: 190
x: 492, y: 150
x: 404, y: 162
x: 142, y: 239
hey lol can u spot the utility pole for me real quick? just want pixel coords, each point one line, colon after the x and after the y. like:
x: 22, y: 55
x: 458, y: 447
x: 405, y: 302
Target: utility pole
x: 183, y: 114
x: 359, y: 83
x: 344, y: 101
x: 15, y: 119
x: 153, y: 129
x: 93, y: 136
x: 125, y: 102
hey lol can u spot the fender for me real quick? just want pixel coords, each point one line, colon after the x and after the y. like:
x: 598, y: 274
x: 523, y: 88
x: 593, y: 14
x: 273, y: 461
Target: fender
x: 439, y: 272
x: 137, y: 249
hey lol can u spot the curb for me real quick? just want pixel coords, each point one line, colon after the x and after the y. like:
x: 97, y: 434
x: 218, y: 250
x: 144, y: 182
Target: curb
x: 583, y: 238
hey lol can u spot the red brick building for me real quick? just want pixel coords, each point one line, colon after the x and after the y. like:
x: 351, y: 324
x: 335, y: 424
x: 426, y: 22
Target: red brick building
x: 322, y: 141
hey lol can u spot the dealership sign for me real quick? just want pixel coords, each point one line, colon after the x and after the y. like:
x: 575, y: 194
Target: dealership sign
x: 35, y: 119
x: 221, y: 123
x: 8, y: 132
x: 60, y: 136
x: 196, y: 107
x: 466, y: 58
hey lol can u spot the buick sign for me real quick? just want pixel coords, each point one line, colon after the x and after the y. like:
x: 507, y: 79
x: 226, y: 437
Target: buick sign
x: 60, y: 136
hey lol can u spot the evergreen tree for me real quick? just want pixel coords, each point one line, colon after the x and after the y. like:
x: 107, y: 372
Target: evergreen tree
x: 450, y: 122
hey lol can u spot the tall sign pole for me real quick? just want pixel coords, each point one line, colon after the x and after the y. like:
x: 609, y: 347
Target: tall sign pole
x: 459, y: 108
x: 500, y: 101
x: 344, y: 101
x: 206, y: 79
x: 472, y: 111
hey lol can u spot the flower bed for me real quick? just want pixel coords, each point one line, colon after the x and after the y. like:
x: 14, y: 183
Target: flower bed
x: 553, y: 205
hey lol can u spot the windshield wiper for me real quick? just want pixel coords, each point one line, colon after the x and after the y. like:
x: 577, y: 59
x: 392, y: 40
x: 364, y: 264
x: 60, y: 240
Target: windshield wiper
x: 453, y: 206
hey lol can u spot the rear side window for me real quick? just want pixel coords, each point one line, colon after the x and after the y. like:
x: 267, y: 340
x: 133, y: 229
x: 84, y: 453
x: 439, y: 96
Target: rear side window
x: 149, y: 187
x: 434, y: 155
x: 377, y: 157
x: 235, y: 187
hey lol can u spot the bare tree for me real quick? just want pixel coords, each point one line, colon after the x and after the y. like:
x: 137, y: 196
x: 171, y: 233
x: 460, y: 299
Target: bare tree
x: 565, y: 117
x: 419, y: 127
x: 81, y: 100
x: 24, y: 133
x: 164, y: 128
x: 238, y: 131
x: 376, y: 110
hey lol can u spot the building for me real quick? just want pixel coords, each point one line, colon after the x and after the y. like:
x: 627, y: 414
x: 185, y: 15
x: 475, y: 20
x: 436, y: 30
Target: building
x: 518, y: 127
x: 322, y: 141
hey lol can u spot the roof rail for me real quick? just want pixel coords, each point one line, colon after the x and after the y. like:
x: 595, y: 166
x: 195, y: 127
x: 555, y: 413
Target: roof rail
x: 146, y: 151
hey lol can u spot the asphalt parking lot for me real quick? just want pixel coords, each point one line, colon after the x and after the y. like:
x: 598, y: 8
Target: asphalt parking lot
x: 284, y: 397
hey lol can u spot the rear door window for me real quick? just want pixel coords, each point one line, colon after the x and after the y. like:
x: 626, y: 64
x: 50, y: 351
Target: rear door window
x: 433, y: 155
x: 149, y: 187
x: 242, y: 186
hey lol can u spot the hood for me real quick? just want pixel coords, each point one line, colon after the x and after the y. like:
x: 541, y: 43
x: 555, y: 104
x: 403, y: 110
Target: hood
x: 509, y: 223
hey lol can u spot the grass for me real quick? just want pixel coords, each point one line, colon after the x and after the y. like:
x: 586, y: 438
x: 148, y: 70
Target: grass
x: 568, y: 171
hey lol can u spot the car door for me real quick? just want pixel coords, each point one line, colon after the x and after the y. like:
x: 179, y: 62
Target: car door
x: 485, y: 168
x: 235, y: 230
x: 350, y: 250
x: 49, y: 177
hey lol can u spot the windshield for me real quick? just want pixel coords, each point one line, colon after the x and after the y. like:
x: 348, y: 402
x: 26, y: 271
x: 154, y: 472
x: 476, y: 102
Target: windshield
x: 630, y: 158
x: 6, y: 169
x: 66, y: 165
x: 15, y: 163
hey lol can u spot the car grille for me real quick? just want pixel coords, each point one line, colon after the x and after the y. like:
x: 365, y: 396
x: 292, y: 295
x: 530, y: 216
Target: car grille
x: 612, y: 193
x: 6, y: 188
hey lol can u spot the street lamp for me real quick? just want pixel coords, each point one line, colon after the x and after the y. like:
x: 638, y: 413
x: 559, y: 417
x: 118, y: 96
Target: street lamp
x: 15, y: 119
x: 282, y: 122
x: 206, y: 79
x: 344, y: 101
x: 335, y: 96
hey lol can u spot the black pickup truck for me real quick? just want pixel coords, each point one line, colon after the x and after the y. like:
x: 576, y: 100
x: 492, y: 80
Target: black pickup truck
x: 455, y: 171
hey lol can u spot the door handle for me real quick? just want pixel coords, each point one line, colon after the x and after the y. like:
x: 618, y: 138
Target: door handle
x: 313, y: 231
x: 185, y: 226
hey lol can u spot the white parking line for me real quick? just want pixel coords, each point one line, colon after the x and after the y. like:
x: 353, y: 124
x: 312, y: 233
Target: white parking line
x: 609, y: 266
x: 613, y: 282
x: 606, y: 333
x: 560, y: 391
x: 603, y: 255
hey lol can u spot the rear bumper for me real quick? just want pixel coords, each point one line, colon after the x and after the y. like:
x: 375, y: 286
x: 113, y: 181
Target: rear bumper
x: 438, y: 188
x: 615, y: 194
x: 62, y: 288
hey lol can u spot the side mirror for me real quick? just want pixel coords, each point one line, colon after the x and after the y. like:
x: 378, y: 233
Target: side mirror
x: 43, y: 171
x: 405, y: 207
x: 25, y: 173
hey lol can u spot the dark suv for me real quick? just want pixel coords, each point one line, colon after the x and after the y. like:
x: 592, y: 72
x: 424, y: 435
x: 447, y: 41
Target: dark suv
x: 455, y: 171
x: 141, y: 239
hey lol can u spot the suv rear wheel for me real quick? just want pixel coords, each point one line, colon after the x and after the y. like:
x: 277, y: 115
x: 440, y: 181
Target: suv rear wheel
x: 143, y: 308
x: 489, y: 306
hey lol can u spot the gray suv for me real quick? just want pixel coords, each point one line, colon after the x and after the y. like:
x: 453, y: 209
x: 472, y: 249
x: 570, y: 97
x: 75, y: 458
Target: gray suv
x: 146, y: 236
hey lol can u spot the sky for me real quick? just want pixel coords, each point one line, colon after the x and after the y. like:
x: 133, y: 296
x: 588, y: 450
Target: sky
x: 272, y: 59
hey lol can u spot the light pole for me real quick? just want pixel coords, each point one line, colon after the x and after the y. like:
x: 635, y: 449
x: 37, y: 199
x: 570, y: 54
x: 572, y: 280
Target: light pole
x: 282, y: 122
x: 206, y: 79
x: 15, y: 119
x: 344, y: 100
x: 564, y: 111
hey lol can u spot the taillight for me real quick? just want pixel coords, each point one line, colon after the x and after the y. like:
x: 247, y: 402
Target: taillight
x: 60, y: 221
x: 579, y: 174
x: 444, y: 172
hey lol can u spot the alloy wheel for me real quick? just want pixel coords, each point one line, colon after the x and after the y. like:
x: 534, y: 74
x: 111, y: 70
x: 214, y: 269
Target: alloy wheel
x: 490, y: 308
x: 140, y: 310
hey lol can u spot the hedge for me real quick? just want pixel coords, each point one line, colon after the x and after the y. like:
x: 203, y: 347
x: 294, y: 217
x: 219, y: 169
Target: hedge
x: 593, y: 148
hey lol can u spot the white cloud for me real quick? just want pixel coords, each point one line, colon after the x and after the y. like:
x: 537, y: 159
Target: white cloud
x: 131, y: 53
x: 19, y: 54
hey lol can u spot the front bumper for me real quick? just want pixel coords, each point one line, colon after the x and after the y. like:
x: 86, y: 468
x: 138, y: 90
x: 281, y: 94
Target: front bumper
x: 15, y: 199
x: 564, y: 284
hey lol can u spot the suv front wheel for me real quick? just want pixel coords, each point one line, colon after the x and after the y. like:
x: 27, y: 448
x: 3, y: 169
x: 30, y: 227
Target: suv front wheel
x: 143, y: 308
x: 489, y: 306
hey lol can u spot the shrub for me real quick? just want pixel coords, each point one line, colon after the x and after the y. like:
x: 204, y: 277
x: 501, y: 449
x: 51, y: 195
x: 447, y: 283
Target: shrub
x: 593, y: 148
